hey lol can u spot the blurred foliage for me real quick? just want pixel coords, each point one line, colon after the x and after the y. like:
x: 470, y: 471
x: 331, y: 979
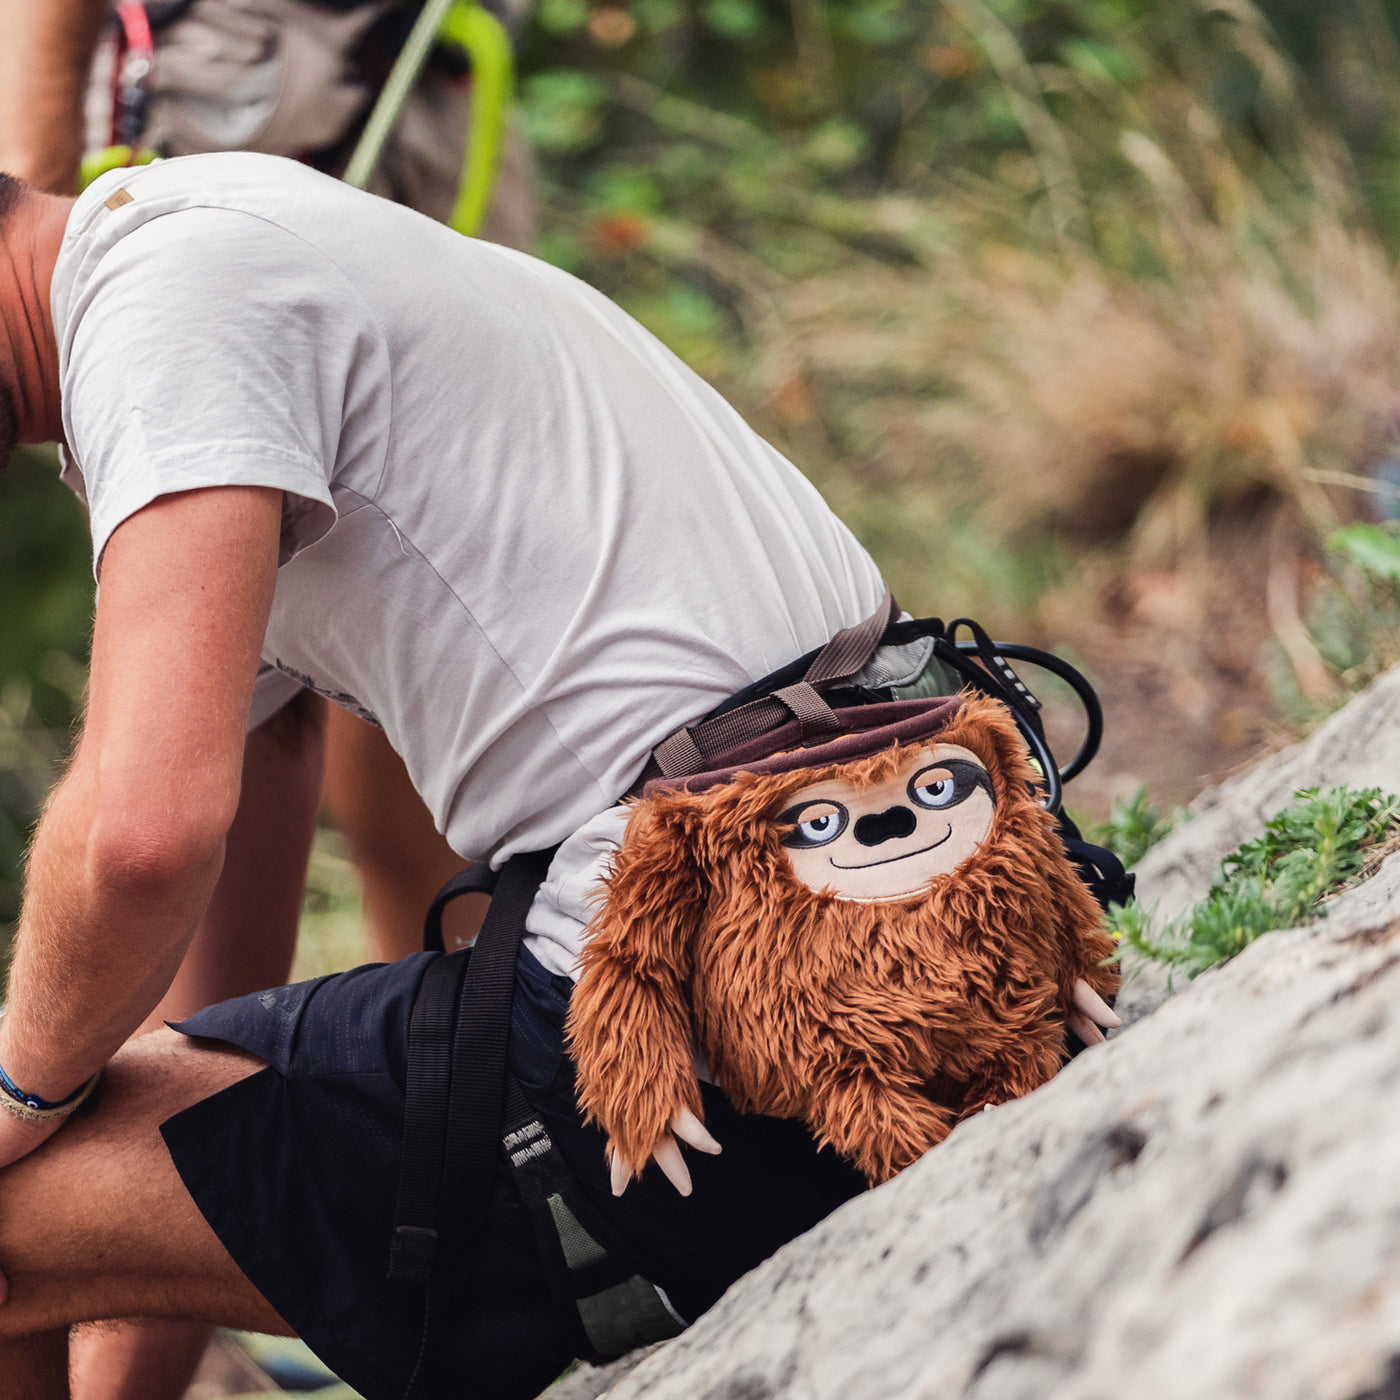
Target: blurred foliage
x: 1355, y: 616
x: 1135, y: 824
x: 332, y: 933
x: 1375, y: 549
x: 1003, y: 276
x: 46, y: 588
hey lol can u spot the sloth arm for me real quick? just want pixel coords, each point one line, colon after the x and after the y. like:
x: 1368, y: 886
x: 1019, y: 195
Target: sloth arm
x: 880, y: 1126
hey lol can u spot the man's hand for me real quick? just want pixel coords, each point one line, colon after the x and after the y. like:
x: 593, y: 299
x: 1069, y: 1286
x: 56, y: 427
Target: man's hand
x: 44, y: 63
x: 132, y: 842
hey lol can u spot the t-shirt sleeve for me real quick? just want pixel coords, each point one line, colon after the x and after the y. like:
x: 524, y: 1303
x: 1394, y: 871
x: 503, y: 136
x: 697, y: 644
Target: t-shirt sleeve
x: 210, y: 347
x: 272, y: 690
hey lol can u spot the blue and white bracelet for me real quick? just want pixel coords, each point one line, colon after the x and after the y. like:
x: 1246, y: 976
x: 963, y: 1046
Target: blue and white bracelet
x: 34, y: 1109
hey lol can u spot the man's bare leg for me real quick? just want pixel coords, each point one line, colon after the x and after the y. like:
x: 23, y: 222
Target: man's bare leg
x: 96, y: 1224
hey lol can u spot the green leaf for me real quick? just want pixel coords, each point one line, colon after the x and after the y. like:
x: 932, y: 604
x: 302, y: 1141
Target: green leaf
x: 562, y: 16
x: 735, y: 19
x: 631, y: 187
x: 1373, y: 548
x: 658, y: 16
x: 837, y: 144
x: 563, y: 109
x: 872, y: 24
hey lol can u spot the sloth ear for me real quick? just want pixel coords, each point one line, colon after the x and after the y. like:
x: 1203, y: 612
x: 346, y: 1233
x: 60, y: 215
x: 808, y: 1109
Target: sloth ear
x: 630, y: 1024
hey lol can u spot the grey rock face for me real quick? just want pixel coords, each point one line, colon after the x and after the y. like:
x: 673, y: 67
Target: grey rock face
x: 1207, y: 1206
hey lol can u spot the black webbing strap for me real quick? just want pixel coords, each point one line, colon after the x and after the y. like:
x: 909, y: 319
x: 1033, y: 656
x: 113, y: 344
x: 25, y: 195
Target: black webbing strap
x: 479, y: 1046
x: 475, y: 879
x: 459, y: 1035
x: 688, y: 750
x: 424, y: 1123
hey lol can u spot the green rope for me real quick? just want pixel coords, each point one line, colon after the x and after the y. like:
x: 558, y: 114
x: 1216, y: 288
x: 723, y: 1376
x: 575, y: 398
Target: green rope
x: 110, y: 158
x: 481, y: 36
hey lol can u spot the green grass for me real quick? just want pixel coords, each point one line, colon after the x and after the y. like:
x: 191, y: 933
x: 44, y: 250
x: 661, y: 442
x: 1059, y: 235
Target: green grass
x: 333, y: 934
x: 1133, y: 827
x: 1309, y: 852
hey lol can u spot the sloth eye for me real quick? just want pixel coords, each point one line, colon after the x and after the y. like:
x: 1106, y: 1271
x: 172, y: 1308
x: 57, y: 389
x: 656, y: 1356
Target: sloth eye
x: 947, y: 784
x: 813, y: 823
x: 929, y: 791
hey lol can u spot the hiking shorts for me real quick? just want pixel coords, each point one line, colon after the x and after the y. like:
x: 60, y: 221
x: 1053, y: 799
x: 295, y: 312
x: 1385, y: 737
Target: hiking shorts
x: 296, y: 1170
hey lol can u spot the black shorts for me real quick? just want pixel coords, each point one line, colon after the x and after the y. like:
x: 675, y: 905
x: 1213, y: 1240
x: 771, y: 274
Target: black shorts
x: 296, y: 1170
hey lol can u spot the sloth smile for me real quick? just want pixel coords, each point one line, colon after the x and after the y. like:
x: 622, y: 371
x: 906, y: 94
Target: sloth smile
x: 890, y: 860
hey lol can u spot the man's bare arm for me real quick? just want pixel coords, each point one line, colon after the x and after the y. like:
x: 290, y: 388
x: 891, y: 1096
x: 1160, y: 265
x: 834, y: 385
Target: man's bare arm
x: 247, y: 937
x: 44, y: 62
x: 131, y: 844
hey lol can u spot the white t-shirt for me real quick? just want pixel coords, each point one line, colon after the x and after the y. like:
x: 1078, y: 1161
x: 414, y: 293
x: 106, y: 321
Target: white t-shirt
x: 519, y: 534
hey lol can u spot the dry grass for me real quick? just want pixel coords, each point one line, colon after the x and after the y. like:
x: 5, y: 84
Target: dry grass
x: 1041, y: 393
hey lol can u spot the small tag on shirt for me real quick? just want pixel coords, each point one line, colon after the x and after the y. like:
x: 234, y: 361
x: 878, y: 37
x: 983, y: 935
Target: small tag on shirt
x: 117, y: 200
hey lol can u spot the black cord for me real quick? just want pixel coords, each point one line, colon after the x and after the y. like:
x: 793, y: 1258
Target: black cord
x: 1077, y: 682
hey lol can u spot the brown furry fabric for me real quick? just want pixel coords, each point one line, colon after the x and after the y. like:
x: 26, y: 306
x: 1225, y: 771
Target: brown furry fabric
x: 879, y: 1024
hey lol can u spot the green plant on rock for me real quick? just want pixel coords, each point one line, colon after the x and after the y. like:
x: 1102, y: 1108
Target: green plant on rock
x: 1134, y: 826
x: 1311, y: 850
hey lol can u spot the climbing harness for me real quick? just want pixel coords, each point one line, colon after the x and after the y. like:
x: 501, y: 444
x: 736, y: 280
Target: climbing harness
x: 462, y: 1108
x: 464, y: 1111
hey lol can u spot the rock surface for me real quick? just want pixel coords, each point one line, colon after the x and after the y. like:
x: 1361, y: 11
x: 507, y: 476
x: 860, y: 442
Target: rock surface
x: 1207, y: 1206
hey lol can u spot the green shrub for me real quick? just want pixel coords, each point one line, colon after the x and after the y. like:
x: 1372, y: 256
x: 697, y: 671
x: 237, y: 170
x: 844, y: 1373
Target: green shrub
x: 1308, y: 852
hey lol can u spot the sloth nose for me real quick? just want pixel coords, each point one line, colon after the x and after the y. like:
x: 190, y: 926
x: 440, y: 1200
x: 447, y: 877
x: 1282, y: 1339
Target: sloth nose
x: 885, y: 826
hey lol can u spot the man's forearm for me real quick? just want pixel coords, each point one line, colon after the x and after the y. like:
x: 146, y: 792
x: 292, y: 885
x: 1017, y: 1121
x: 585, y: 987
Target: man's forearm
x: 44, y: 61
x: 106, y: 919
x: 132, y: 843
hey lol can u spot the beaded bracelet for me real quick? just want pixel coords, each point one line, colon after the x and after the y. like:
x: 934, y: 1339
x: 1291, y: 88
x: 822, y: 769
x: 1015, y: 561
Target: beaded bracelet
x: 34, y: 1109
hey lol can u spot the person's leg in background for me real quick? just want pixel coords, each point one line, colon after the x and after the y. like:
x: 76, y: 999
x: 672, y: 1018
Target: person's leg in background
x: 401, y: 859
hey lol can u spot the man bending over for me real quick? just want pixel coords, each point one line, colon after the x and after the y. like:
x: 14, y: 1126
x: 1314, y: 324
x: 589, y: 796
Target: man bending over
x: 327, y: 444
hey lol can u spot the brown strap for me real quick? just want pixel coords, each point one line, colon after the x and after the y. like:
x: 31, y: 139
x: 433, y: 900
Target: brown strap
x: 808, y: 709
x: 850, y: 649
x: 688, y: 750
x: 678, y: 754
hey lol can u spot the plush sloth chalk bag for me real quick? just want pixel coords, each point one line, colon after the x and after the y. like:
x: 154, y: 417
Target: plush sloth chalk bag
x: 879, y: 935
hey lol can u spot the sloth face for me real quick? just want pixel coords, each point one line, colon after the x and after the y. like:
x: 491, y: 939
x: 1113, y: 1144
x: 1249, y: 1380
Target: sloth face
x: 889, y: 841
